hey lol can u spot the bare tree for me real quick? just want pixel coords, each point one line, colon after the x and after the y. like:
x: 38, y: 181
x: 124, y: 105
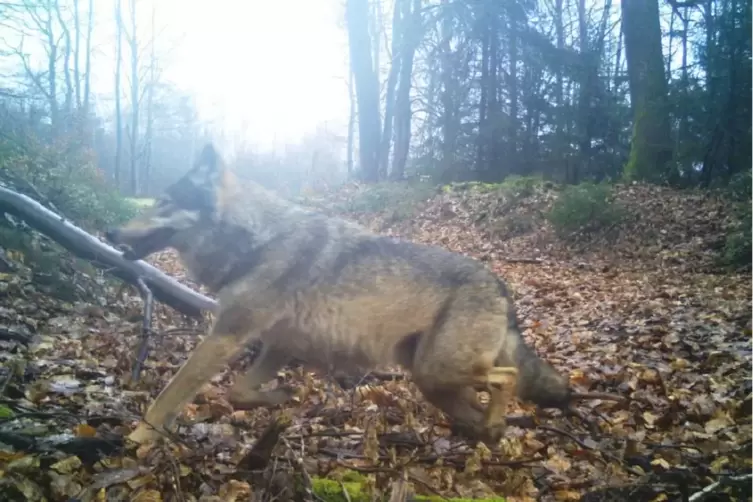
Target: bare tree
x: 351, y: 122
x: 389, y: 100
x: 411, y: 35
x: 151, y: 83
x: 133, y: 137
x: 77, y: 53
x: 367, y: 87
x: 87, y: 65
x: 37, y: 19
x: 68, y: 103
x: 118, y: 76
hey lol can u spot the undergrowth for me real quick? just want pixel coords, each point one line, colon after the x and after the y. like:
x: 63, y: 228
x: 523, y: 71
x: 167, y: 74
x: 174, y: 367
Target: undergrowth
x: 738, y: 250
x: 69, y: 180
x: 400, y: 200
x: 584, y: 208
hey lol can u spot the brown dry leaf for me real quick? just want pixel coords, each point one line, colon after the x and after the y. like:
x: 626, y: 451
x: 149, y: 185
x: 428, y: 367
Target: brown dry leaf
x: 148, y: 496
x: 643, y: 314
x: 235, y: 490
x: 85, y: 431
x: 567, y: 495
x: 67, y: 465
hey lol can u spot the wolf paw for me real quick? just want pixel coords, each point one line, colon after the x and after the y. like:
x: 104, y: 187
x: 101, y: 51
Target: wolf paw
x: 248, y: 399
x: 144, y: 434
x: 476, y: 432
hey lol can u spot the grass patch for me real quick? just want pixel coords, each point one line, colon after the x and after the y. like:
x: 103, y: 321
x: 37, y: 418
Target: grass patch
x: 332, y: 490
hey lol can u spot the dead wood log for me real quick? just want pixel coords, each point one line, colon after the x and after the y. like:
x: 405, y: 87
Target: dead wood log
x: 88, y: 247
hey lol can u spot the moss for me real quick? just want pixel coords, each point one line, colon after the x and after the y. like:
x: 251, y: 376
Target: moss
x: 331, y: 490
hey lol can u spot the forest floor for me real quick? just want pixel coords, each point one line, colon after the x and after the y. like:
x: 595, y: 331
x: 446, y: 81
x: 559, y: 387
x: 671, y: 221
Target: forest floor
x: 641, y: 309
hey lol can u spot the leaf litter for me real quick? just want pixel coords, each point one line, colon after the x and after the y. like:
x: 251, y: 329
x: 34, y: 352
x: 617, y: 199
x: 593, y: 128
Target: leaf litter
x: 641, y: 311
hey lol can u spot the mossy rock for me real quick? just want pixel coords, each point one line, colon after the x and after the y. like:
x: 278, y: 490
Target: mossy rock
x: 331, y: 490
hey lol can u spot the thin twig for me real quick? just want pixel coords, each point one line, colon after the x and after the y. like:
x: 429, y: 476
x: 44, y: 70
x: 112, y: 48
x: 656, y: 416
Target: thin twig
x: 700, y: 495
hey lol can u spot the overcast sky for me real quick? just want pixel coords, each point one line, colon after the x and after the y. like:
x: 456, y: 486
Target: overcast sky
x: 271, y: 70
x: 276, y: 68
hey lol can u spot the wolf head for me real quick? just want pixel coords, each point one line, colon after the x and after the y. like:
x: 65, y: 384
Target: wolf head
x: 180, y: 209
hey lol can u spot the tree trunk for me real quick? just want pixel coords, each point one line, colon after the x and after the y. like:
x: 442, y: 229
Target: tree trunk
x: 88, y: 64
x: 651, y: 148
x: 135, y: 97
x: 367, y: 88
x: 77, y: 54
x: 148, y: 140
x: 587, y: 66
x: 561, y: 150
x: 52, y: 92
x: 412, y: 34
x: 683, y: 132
x: 494, y: 140
x: 389, y: 101
x: 118, y: 111
x: 351, y: 122
x: 68, y: 100
x: 449, y: 123
x: 481, y: 140
x: 511, y: 154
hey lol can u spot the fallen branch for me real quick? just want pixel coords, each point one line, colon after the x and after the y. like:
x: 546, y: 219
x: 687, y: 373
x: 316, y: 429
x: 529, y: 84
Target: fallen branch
x: 88, y: 247
x: 535, y: 261
x: 6, y: 334
x: 146, y: 328
x: 604, y: 396
x: 260, y: 454
x: 700, y: 495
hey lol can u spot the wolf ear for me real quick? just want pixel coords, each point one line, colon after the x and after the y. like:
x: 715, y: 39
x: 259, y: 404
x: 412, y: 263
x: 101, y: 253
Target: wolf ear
x: 209, y: 165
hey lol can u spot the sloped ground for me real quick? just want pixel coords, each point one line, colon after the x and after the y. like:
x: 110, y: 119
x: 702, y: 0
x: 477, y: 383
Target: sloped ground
x: 640, y: 310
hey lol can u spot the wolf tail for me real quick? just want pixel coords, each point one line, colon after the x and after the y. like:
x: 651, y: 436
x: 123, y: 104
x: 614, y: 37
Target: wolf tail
x: 538, y: 382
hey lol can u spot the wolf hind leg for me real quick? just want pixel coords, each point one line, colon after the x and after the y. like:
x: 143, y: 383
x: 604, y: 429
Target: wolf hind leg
x: 245, y: 393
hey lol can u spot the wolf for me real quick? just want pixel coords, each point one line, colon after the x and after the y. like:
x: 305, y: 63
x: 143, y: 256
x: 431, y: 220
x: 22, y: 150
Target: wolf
x: 327, y: 292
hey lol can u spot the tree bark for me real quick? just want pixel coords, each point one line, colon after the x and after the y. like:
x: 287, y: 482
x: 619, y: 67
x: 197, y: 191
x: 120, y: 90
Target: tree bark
x: 68, y: 102
x: 351, y: 122
x: 88, y: 247
x: 389, y: 100
x: 481, y: 140
x: 367, y: 88
x: 651, y: 148
x: 52, y: 58
x: 135, y: 98
x: 450, y: 125
x: 77, y: 54
x: 412, y: 34
x: 149, y: 133
x: 88, y: 64
x: 118, y: 110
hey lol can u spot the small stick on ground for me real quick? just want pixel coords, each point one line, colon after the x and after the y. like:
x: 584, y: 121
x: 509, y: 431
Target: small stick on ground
x: 146, y: 328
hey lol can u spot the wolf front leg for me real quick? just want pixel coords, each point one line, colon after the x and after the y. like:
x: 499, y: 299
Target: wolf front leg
x: 230, y: 333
